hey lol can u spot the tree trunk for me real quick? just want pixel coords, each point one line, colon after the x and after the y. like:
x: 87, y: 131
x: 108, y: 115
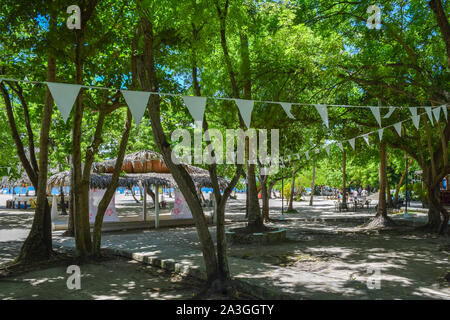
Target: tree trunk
x: 381, y: 219
x: 344, y: 180
x: 149, y: 82
x: 109, y: 193
x: 313, y: 185
x: 38, y: 244
x: 382, y: 209
x: 400, y: 183
x: 389, y: 202
x: 132, y: 194
x: 291, y: 198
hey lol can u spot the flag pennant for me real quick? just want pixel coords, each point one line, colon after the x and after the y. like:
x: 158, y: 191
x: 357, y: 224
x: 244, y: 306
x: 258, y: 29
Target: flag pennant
x: 430, y: 115
x: 245, y: 108
x: 323, y: 112
x: 380, y: 133
x: 307, y: 155
x: 398, y: 128
x: 352, y: 143
x: 287, y: 108
x: 196, y: 107
x: 64, y: 95
x: 444, y: 108
x: 9, y: 170
x: 416, y: 121
x: 391, y: 111
x: 366, y: 139
x: 340, y: 146
x: 327, y: 149
x: 317, y: 151
x: 376, y: 114
x: 413, y: 111
x: 298, y: 156
x: 137, y: 102
x: 437, y: 113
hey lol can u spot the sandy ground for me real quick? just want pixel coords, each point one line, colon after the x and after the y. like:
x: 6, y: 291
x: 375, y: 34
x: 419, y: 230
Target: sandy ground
x: 117, y: 279
x: 325, y: 258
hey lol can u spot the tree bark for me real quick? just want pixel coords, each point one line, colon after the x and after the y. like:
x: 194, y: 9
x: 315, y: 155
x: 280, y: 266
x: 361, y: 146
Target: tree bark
x: 291, y: 198
x: 344, y: 180
x: 313, y: 185
x: 38, y: 244
x: 149, y: 82
x: 400, y: 183
x: 109, y: 193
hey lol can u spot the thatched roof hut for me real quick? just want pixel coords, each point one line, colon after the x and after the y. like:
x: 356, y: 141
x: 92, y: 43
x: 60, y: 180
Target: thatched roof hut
x: 139, y: 162
x: 102, y: 181
x: 7, y: 182
x: 144, y: 161
x: 143, y: 168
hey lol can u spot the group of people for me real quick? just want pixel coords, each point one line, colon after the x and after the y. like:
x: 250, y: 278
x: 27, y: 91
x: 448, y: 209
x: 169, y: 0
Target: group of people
x: 353, y: 195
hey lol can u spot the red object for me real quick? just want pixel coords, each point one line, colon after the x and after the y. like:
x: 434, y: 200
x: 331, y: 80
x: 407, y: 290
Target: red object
x: 259, y: 195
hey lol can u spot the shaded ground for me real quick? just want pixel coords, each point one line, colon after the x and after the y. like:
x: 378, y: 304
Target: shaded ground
x: 118, y: 279
x: 327, y: 257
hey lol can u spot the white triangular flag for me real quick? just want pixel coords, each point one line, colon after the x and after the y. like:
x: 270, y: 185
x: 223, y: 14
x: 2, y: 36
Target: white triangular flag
x: 317, y: 151
x: 398, y: 128
x: 245, y: 108
x: 327, y: 149
x: 340, y: 146
x: 352, y: 143
x: 323, y: 111
x: 196, y: 107
x: 298, y: 156
x: 366, y: 138
x: 380, y: 133
x: 287, y: 108
x: 391, y: 111
x: 437, y: 113
x: 430, y: 115
x: 416, y: 121
x: 9, y: 170
x: 376, y: 114
x: 444, y: 108
x: 307, y: 155
x: 64, y: 95
x: 137, y: 102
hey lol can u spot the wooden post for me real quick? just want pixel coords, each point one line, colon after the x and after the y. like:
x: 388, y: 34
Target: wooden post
x: 144, y: 205
x: 157, y: 207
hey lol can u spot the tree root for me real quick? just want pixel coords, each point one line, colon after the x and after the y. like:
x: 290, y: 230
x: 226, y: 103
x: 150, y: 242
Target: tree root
x: 380, y: 222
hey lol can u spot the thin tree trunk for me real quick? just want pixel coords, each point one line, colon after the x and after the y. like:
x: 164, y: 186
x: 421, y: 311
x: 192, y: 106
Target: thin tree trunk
x: 109, y: 193
x: 291, y: 198
x: 400, y: 183
x: 313, y: 185
x: 344, y: 180
x: 38, y: 244
x: 149, y: 82
x: 382, y: 209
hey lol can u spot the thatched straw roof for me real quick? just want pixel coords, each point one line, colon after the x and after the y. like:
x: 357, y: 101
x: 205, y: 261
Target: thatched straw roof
x: 7, y: 182
x: 102, y: 181
x: 146, y: 161
x: 139, y: 162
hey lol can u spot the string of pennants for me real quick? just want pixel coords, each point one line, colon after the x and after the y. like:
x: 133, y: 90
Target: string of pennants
x: 432, y: 113
x: 65, y: 94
